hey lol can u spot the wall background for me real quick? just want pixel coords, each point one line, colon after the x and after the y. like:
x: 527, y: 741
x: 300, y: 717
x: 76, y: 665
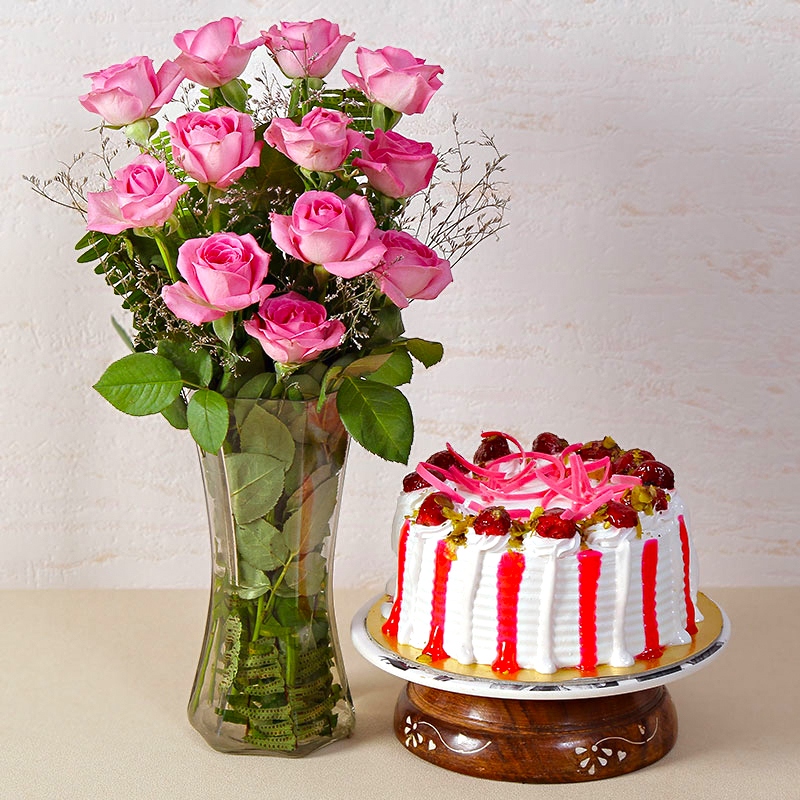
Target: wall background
x: 647, y: 285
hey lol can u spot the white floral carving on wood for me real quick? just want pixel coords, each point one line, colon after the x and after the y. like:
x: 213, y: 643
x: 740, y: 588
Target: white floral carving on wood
x: 595, y: 757
x: 415, y: 738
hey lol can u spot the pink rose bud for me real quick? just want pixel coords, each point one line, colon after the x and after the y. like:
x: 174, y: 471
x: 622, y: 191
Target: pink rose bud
x: 410, y: 270
x: 224, y: 272
x: 395, y: 78
x: 322, y: 140
x: 306, y: 49
x: 292, y: 329
x: 213, y: 55
x: 126, y: 93
x: 216, y: 146
x: 142, y: 195
x: 325, y: 229
x: 396, y: 166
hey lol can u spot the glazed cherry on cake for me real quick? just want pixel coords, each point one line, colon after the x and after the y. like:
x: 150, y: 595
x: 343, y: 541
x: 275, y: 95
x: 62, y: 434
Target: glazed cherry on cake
x: 549, y: 443
x: 552, y: 525
x: 492, y: 521
x: 542, y: 558
x: 492, y: 446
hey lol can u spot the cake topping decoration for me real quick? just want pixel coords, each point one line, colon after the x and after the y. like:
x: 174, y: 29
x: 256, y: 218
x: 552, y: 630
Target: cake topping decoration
x: 549, y: 443
x: 552, y: 525
x: 620, y: 515
x: 493, y: 521
x: 654, y: 473
x: 493, y: 445
x: 413, y: 481
x: 630, y: 459
x: 430, y: 512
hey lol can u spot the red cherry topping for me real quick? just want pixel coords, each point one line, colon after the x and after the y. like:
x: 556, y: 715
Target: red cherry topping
x: 654, y: 473
x: 412, y: 482
x: 620, y: 515
x: 492, y: 447
x: 552, y: 526
x: 660, y: 503
x: 444, y: 459
x: 430, y: 512
x: 600, y: 448
x: 629, y: 460
x: 549, y: 443
x: 493, y: 521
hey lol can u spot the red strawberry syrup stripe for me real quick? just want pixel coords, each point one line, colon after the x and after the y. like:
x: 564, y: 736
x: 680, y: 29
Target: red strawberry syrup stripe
x: 435, y: 648
x: 691, y: 626
x: 589, y: 562
x: 390, y: 626
x: 509, y: 577
x: 652, y: 649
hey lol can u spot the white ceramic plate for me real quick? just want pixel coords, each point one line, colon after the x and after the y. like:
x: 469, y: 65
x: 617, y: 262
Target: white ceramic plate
x: 409, y: 670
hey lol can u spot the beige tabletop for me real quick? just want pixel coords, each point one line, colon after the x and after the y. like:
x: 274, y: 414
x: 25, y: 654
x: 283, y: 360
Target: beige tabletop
x: 93, y: 688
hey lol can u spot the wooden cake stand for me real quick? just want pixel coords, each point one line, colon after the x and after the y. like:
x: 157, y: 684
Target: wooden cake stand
x: 535, y: 728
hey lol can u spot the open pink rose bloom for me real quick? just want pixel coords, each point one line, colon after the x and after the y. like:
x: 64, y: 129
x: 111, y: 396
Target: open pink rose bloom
x: 395, y: 78
x: 125, y: 93
x: 142, y: 195
x: 410, y: 270
x: 224, y: 272
x: 396, y: 166
x: 293, y: 329
x: 213, y: 55
x: 339, y: 234
x: 322, y: 140
x: 306, y: 48
x: 215, y: 147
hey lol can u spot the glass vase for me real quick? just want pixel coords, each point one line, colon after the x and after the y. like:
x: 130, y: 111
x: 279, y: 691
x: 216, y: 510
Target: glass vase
x: 270, y: 679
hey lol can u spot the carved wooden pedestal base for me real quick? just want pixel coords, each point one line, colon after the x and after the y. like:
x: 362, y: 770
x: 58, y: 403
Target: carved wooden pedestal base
x: 536, y: 741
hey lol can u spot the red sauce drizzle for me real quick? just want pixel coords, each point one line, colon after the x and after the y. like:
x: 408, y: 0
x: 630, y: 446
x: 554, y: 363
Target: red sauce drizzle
x: 588, y: 579
x: 441, y: 572
x: 390, y: 626
x: 509, y: 577
x: 691, y: 627
x: 650, y: 620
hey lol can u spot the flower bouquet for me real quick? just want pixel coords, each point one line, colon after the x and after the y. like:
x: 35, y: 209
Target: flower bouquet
x: 265, y: 242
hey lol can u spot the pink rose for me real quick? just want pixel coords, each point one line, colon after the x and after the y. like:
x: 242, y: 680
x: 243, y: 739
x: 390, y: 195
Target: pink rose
x: 224, y: 272
x: 395, y: 78
x: 306, y: 48
x: 143, y: 194
x: 216, y: 146
x: 410, y: 270
x: 396, y: 166
x: 292, y: 329
x: 325, y: 229
x: 213, y: 55
x: 322, y: 140
x: 125, y: 93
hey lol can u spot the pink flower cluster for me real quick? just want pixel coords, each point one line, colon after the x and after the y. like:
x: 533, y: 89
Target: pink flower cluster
x: 226, y: 272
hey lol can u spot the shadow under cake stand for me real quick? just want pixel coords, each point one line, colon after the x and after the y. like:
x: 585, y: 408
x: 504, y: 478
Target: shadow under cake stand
x: 534, y: 728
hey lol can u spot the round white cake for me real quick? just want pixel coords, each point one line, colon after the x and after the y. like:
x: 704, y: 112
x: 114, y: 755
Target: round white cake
x: 542, y: 558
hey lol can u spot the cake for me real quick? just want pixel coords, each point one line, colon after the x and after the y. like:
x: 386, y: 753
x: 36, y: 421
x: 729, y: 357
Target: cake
x: 543, y: 558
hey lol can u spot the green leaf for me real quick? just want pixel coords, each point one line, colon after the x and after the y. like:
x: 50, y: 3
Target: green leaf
x: 306, y: 384
x: 427, y: 353
x: 365, y: 366
x: 252, y: 582
x: 262, y: 545
x: 264, y: 433
x: 195, y: 367
x: 378, y: 417
x: 308, y: 527
x: 235, y: 94
x: 255, y: 482
x: 306, y: 486
x: 207, y: 416
x: 307, y: 575
x: 123, y: 334
x: 175, y: 414
x: 223, y: 327
x: 396, y: 371
x: 259, y: 386
x: 140, y: 384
